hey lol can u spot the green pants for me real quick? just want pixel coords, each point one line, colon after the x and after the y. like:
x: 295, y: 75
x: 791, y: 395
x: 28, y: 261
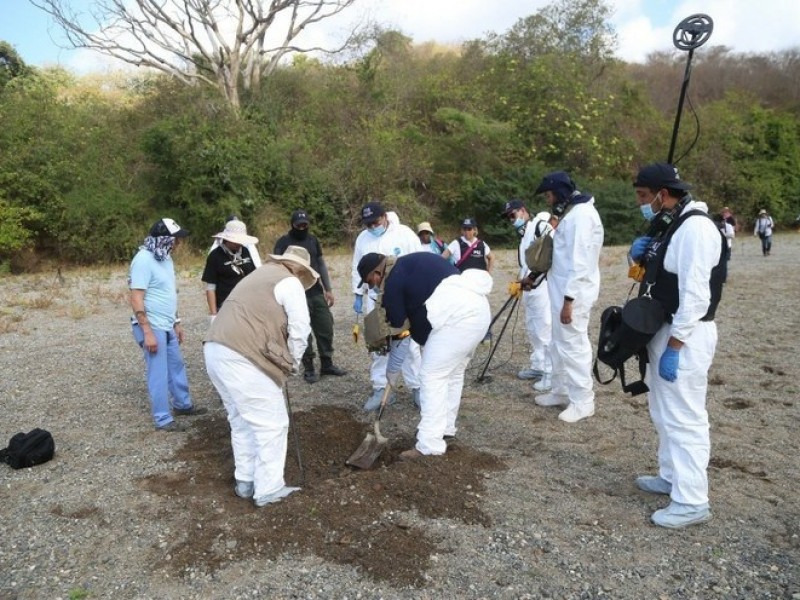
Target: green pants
x: 322, y: 329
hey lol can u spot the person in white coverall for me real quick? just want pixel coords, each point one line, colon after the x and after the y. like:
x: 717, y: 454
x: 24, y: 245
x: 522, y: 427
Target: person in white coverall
x: 254, y: 344
x: 574, y: 280
x: 419, y: 291
x: 538, y: 320
x: 689, y: 260
x: 383, y: 234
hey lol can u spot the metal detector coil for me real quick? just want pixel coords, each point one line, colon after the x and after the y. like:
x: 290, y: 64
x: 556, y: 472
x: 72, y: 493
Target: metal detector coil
x: 692, y: 32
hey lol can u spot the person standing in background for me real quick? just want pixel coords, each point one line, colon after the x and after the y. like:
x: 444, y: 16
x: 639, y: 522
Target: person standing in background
x: 156, y: 326
x: 319, y: 297
x: 428, y: 239
x: 574, y: 280
x: 228, y: 263
x: 763, y: 231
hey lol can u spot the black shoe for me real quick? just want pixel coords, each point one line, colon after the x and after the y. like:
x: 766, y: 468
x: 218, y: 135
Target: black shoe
x: 189, y: 412
x: 310, y: 376
x: 332, y: 370
x: 171, y: 427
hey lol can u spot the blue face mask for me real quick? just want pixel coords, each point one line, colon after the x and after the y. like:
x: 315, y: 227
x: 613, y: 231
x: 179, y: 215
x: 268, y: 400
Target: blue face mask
x: 519, y: 222
x: 377, y: 231
x: 647, y: 212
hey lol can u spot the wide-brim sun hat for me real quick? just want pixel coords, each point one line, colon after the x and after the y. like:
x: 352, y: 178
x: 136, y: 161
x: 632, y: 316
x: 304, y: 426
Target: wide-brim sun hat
x: 236, y: 233
x: 424, y: 226
x: 297, y: 256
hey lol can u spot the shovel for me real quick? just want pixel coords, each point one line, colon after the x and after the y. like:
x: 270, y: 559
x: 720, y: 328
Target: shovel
x: 372, y: 446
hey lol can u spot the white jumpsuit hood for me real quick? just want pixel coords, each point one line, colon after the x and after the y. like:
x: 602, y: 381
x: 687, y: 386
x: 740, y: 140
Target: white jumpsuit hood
x: 447, y: 301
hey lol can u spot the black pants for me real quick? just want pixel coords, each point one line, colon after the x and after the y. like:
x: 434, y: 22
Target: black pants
x: 322, y: 329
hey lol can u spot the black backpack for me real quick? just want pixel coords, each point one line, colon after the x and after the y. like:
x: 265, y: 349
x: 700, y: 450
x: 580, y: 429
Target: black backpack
x: 29, y: 449
x: 624, y: 333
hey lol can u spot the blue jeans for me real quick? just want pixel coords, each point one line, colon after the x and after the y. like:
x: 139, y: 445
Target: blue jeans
x: 166, y: 374
x: 766, y: 244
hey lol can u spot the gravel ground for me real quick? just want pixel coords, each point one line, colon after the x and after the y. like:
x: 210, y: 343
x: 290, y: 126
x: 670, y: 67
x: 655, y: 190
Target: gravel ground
x: 561, y: 519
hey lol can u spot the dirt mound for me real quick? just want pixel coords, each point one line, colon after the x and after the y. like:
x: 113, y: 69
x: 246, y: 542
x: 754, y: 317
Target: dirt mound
x: 365, y: 519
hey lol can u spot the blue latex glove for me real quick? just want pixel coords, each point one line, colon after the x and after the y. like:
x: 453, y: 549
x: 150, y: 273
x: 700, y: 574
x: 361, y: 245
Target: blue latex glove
x: 639, y: 246
x: 357, y: 304
x: 668, y: 365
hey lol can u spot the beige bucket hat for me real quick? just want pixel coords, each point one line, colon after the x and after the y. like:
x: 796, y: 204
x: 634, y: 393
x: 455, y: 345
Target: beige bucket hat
x: 298, y: 256
x: 236, y: 233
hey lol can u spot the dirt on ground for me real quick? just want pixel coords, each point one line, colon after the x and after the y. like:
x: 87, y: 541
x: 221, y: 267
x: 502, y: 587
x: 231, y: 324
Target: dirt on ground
x: 521, y: 505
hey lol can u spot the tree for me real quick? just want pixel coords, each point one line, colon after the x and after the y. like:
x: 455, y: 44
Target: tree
x: 11, y: 65
x: 224, y: 43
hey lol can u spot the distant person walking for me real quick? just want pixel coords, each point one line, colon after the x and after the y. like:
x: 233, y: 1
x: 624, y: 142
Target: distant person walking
x: 763, y: 230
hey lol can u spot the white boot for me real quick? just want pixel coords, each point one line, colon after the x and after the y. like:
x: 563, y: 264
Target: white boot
x: 544, y: 384
x: 552, y: 399
x: 574, y: 412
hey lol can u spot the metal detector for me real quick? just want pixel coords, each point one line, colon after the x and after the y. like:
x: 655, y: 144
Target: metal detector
x: 691, y: 33
x: 512, y: 302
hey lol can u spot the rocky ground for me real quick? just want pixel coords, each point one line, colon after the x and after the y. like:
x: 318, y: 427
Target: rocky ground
x: 521, y: 506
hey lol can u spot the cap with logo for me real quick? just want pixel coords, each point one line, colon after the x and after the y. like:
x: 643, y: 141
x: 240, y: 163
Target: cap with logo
x: 469, y: 223
x: 511, y: 206
x: 300, y: 217
x: 167, y: 227
x: 371, y: 212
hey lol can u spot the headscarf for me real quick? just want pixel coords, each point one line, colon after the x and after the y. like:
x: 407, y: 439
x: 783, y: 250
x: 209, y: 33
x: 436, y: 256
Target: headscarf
x: 160, y: 246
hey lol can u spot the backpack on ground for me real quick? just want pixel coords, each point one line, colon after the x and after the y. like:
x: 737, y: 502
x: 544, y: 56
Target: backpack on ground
x: 28, y: 449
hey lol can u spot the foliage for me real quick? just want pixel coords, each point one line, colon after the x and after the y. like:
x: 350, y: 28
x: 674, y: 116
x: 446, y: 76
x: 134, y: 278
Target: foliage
x: 437, y: 133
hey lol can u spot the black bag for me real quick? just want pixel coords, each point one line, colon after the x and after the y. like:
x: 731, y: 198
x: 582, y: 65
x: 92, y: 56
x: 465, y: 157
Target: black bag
x: 29, y: 449
x: 624, y: 333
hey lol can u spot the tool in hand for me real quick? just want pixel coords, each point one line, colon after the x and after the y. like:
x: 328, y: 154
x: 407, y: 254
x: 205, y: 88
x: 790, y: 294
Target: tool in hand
x: 374, y: 443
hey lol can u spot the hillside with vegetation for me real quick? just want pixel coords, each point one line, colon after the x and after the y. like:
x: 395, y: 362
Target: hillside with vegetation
x: 437, y: 133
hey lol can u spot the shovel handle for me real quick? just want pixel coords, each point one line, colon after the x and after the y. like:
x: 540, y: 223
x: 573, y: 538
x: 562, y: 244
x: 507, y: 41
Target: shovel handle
x: 384, y: 400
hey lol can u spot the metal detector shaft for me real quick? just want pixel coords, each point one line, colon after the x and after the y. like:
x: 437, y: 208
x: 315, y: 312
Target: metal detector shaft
x: 686, y: 76
x: 515, y: 300
x: 295, y: 434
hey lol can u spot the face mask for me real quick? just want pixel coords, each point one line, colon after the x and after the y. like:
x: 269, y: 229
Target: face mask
x: 647, y: 209
x: 377, y: 231
x: 519, y: 222
x: 299, y: 234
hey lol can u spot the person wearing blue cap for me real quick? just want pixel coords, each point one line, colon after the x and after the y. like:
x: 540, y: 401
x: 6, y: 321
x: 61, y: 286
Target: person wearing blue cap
x: 574, y: 280
x: 156, y: 326
x: 469, y: 251
x: 687, y: 266
x: 383, y: 234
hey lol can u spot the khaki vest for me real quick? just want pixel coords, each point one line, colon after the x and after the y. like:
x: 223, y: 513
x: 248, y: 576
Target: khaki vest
x: 253, y: 324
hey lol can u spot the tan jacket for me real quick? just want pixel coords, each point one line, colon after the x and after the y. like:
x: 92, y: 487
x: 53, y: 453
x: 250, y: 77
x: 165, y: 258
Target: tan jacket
x: 252, y: 323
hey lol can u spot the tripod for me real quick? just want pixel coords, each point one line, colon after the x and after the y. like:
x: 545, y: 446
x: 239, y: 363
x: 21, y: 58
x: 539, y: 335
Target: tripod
x: 512, y: 301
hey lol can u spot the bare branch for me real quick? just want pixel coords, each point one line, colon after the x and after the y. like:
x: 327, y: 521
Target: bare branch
x: 218, y: 42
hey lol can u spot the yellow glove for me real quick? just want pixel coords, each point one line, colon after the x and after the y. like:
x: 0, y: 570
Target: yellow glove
x: 515, y: 289
x: 636, y: 272
x: 355, y: 333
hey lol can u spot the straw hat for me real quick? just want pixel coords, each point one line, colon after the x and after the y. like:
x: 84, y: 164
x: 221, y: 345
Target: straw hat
x: 297, y: 256
x: 236, y: 233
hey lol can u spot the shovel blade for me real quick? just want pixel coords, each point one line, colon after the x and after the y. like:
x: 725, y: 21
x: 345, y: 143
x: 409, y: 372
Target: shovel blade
x: 368, y: 452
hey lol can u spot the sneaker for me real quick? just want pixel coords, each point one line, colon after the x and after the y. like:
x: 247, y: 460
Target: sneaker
x: 677, y: 515
x: 244, y: 489
x: 552, y: 399
x: 332, y: 369
x: 574, y: 412
x: 412, y: 454
x: 192, y: 411
x: 275, y: 496
x: 653, y: 484
x: 374, y: 401
x: 310, y: 377
x: 530, y: 374
x: 543, y: 385
x: 171, y: 427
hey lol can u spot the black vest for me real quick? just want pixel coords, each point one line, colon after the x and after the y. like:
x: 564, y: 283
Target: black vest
x: 665, y: 289
x: 476, y: 258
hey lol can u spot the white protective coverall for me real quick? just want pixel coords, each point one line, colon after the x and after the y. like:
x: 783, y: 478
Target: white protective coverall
x: 398, y: 240
x: 254, y: 402
x: 538, y: 320
x: 678, y: 409
x: 577, y: 242
x: 459, y: 313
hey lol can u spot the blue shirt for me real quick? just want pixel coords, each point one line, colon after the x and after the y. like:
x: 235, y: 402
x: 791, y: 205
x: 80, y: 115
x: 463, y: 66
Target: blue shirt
x: 157, y: 279
x: 409, y: 285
